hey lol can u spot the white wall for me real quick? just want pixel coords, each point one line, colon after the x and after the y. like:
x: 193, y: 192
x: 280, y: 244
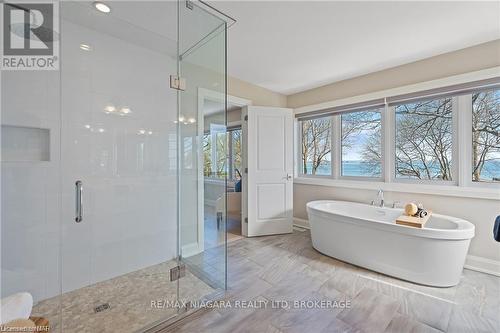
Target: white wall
x: 481, y: 212
x: 129, y: 178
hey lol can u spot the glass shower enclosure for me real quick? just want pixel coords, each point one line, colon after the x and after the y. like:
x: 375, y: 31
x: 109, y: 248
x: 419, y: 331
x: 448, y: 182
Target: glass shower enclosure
x: 104, y: 218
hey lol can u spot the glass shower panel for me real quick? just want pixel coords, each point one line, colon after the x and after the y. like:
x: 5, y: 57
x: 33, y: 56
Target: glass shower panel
x: 103, y: 185
x: 203, y: 167
x: 119, y: 148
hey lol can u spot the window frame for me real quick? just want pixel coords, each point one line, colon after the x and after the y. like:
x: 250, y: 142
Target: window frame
x: 339, y: 147
x: 454, y: 149
x: 300, y: 169
x: 228, y: 157
x: 461, y: 150
x: 465, y: 128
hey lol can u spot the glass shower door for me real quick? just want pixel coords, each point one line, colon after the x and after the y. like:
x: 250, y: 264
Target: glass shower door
x: 202, y: 149
x: 118, y: 162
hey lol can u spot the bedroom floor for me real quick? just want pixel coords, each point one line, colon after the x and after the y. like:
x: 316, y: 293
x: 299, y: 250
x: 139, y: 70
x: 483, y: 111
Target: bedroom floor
x: 286, y: 267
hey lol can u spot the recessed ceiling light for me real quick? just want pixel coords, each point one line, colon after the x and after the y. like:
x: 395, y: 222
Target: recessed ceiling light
x: 101, y: 130
x: 192, y: 120
x: 125, y: 110
x: 87, y: 126
x: 150, y: 132
x: 102, y: 7
x: 85, y: 47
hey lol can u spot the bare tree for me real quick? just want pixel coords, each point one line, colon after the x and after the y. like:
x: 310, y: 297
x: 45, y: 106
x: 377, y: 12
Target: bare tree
x: 207, y: 155
x: 369, y: 124
x: 316, y: 143
x: 221, y: 155
x: 424, y: 139
x: 485, y: 131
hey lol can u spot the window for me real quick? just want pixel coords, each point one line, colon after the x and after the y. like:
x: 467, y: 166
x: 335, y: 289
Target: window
x: 207, y: 155
x: 235, y: 149
x: 361, y: 144
x: 216, y: 165
x: 486, y: 136
x: 424, y: 139
x: 316, y: 146
x: 447, y: 136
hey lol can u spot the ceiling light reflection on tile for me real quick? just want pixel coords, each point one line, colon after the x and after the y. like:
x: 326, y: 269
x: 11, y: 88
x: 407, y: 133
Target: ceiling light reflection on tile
x: 102, y: 7
x: 85, y: 47
x: 109, y: 108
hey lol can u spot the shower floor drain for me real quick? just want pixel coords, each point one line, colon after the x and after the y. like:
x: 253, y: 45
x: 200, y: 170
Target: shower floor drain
x: 101, y: 307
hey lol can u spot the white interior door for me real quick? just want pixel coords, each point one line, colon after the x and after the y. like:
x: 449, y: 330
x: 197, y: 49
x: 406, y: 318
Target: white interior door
x: 269, y: 179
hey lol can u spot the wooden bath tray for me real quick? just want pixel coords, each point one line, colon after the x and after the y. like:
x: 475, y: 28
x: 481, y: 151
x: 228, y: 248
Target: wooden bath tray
x: 41, y: 323
x: 412, y: 221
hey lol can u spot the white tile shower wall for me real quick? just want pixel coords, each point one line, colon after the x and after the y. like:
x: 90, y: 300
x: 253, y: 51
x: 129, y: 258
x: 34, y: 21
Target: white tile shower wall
x: 30, y: 201
x: 124, y: 161
x: 127, y: 165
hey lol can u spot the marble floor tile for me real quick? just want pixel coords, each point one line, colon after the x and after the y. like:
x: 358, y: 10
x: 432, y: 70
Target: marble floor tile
x: 427, y: 309
x: 464, y: 321
x: 286, y: 267
x: 406, y: 324
x: 343, y: 280
x: 295, y: 286
x: 338, y: 326
x: 280, y: 267
x: 370, y: 311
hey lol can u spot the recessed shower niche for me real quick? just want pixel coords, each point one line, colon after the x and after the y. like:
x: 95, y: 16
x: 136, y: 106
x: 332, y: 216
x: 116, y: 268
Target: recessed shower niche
x: 25, y: 144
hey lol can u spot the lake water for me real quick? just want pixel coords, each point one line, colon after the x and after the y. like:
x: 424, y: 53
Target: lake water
x: 490, y: 170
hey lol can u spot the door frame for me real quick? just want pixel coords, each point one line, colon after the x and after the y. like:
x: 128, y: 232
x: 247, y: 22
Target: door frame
x: 216, y: 96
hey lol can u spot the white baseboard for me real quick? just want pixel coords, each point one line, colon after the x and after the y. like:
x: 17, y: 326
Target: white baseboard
x: 189, y: 250
x: 483, y: 265
x: 303, y: 223
x: 473, y: 263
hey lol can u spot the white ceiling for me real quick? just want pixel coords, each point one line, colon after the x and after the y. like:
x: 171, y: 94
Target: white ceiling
x: 293, y: 46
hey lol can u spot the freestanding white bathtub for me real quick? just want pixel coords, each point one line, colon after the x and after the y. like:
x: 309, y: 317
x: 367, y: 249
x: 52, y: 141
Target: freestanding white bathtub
x: 368, y: 236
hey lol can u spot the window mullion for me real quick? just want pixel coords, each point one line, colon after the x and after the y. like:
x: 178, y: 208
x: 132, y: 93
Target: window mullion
x: 230, y: 155
x: 336, y: 150
x: 213, y: 153
x: 463, y: 139
x: 388, y: 142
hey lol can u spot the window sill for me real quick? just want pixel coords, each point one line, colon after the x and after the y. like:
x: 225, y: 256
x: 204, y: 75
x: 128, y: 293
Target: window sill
x: 443, y: 190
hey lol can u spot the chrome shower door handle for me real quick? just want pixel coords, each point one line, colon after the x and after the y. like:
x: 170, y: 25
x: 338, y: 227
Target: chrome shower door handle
x: 79, y: 198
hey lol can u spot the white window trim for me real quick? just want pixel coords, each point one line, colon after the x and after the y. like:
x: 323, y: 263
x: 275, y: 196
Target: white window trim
x: 433, y: 189
x: 462, y: 184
